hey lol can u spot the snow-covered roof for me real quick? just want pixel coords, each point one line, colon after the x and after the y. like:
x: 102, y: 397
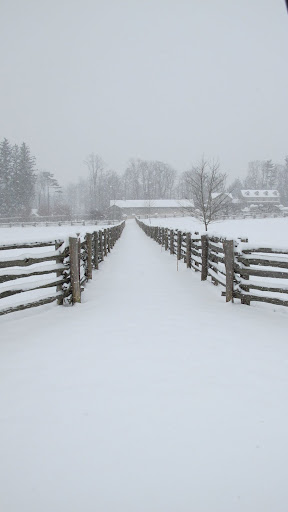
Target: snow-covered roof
x: 260, y: 193
x: 217, y: 194
x: 153, y: 203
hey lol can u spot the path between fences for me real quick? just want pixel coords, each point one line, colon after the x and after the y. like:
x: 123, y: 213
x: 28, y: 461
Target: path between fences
x: 153, y: 394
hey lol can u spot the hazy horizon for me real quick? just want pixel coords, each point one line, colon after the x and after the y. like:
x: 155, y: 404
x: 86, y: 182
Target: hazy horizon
x: 161, y: 80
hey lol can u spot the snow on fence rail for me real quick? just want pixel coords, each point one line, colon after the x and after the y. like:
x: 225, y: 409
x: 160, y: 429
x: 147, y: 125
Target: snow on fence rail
x: 247, y: 272
x: 71, y: 260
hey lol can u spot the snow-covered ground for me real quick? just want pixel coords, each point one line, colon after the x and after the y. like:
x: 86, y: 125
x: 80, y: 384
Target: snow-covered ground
x: 151, y: 395
x: 269, y: 232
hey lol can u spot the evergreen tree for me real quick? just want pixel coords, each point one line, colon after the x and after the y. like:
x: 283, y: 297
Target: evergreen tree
x: 235, y: 188
x: 269, y: 175
x: 17, y: 178
x: 15, y: 188
x: 5, y: 177
x: 283, y: 183
x: 26, y: 180
x: 261, y: 175
x: 253, y: 179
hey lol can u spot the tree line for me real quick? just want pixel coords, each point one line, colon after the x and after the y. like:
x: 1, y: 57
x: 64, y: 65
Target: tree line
x: 23, y: 187
x: 144, y: 179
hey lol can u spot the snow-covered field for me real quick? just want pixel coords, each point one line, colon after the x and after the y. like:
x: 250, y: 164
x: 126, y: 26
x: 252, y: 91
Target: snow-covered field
x: 151, y: 395
x: 39, y: 233
x: 269, y: 232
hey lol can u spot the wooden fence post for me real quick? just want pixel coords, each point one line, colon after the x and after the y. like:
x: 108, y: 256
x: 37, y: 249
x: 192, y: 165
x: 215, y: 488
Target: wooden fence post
x: 96, y: 250
x: 171, y: 241
x: 89, y: 255
x: 158, y: 235
x: 204, y: 271
x: 228, y: 246
x: 105, y: 242
x: 188, y: 250
x: 166, y: 239
x: 101, y: 245
x: 59, y: 272
x: 179, y: 243
x: 112, y: 237
x: 74, y: 269
x: 79, y: 255
x: 109, y: 239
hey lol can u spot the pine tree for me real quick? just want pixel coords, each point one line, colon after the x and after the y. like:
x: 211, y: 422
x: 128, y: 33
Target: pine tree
x: 283, y: 183
x: 269, y: 175
x: 5, y: 177
x: 235, y: 188
x: 15, y: 188
x: 25, y: 181
x: 253, y: 178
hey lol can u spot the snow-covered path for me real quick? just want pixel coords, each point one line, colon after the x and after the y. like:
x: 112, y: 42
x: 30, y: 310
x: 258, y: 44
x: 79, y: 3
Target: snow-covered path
x: 153, y: 395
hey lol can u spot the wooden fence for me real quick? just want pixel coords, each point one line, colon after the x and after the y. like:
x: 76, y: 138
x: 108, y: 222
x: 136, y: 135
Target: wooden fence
x: 39, y: 222
x: 230, y: 216
x: 247, y: 272
x: 68, y: 265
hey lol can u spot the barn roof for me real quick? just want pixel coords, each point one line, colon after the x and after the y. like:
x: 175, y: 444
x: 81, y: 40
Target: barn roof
x: 218, y: 194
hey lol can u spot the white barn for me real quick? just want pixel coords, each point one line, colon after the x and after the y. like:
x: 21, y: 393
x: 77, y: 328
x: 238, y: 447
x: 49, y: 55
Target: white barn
x: 132, y: 207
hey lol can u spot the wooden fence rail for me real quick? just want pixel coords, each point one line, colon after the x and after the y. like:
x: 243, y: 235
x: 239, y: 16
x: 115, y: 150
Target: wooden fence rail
x: 67, y: 266
x: 247, y: 272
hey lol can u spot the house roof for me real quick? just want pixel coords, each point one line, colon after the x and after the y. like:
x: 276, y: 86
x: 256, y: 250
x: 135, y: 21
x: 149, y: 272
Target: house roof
x: 153, y: 203
x: 260, y: 193
x: 217, y: 194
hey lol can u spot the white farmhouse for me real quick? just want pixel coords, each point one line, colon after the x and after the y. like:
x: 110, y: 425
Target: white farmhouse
x: 260, y: 199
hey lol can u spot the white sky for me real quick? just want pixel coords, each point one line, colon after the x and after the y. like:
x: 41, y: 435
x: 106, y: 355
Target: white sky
x: 155, y: 79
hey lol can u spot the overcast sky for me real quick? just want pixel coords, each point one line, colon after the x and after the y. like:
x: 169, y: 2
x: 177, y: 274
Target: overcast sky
x: 155, y: 79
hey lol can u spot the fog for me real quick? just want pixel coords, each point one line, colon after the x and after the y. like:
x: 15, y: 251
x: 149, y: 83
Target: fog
x: 155, y: 79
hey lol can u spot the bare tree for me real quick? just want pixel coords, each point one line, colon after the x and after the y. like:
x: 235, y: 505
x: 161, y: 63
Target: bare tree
x: 46, y: 187
x: 206, y: 185
x: 96, y: 167
x: 144, y: 179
